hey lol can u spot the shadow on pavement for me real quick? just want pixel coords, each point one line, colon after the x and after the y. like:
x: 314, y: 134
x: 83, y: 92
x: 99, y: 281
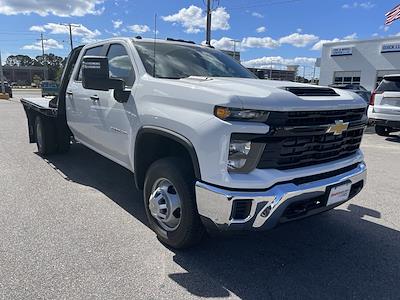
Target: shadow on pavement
x: 337, y: 255
x: 86, y: 167
x: 393, y: 138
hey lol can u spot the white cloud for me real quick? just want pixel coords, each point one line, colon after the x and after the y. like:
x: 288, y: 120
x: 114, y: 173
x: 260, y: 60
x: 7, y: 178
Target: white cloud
x: 257, y: 42
x: 61, y: 8
x: 319, y: 44
x: 54, y: 28
x: 257, y: 15
x: 350, y: 37
x: 299, y: 30
x: 261, y: 29
x: 364, y: 5
x: 299, y: 40
x: 139, y: 29
x: 87, y: 40
x: 193, y: 19
x: 48, y: 44
x: 384, y: 28
x: 117, y: 23
x: 224, y: 43
x: 267, y: 61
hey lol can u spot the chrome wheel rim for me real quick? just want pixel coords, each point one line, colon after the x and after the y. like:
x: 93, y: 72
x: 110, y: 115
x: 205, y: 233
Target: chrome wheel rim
x: 165, y: 204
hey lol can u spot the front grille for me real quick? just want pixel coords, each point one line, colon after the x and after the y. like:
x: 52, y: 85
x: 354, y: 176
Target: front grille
x: 311, y: 118
x: 289, y: 152
x: 300, y: 139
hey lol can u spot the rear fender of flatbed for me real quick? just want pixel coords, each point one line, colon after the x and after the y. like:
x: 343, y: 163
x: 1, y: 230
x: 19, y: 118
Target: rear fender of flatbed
x: 41, y: 107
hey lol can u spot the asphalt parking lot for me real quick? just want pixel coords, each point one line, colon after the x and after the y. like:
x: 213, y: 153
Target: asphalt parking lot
x: 74, y: 227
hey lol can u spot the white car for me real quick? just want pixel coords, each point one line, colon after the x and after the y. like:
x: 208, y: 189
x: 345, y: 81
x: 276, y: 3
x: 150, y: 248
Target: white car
x: 211, y: 145
x: 384, y: 109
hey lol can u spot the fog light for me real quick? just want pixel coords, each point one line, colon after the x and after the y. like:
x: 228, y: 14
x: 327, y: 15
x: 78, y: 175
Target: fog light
x: 238, y: 152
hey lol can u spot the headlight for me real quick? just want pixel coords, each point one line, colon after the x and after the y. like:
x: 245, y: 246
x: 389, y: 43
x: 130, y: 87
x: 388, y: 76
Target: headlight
x: 243, y: 155
x: 237, y: 114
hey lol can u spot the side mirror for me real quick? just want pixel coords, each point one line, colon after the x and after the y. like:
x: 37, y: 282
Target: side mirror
x: 96, y: 76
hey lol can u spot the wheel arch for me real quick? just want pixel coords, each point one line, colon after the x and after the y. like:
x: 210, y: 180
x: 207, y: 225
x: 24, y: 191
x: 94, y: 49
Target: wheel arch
x: 150, y: 136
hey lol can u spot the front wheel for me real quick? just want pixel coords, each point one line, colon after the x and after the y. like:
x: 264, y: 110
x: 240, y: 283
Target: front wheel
x: 382, y: 130
x: 170, y: 203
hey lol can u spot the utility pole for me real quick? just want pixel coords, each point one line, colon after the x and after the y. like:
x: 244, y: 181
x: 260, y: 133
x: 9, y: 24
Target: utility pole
x: 3, y: 88
x: 70, y: 26
x: 208, y: 31
x: 270, y: 71
x: 44, y: 59
x: 234, y: 47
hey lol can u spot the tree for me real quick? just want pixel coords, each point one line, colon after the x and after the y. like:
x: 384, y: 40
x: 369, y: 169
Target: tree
x: 53, y: 62
x: 20, y: 61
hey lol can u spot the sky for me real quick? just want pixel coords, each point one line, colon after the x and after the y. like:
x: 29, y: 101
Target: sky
x: 278, y: 32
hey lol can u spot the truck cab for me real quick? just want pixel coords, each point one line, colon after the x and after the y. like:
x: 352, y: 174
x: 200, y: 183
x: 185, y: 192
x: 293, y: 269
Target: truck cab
x: 211, y: 146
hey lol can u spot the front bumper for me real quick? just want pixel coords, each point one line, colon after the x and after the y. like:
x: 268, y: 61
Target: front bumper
x: 266, y: 209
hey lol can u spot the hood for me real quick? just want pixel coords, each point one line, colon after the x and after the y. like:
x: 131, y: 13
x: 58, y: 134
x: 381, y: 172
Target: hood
x: 274, y: 96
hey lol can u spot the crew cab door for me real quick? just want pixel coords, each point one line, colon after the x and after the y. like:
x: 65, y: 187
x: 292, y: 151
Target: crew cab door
x: 80, y: 115
x: 117, y: 121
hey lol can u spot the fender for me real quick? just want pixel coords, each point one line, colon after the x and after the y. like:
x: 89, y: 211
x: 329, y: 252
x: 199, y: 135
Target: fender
x: 173, y: 136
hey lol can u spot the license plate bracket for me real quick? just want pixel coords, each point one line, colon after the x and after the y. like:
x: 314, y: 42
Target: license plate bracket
x: 339, y: 193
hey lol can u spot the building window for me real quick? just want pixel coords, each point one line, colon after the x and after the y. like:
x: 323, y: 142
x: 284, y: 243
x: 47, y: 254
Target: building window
x: 353, y: 77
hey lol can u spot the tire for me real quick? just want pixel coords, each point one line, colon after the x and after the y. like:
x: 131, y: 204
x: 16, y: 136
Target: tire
x: 189, y: 231
x: 45, y: 133
x: 382, y: 130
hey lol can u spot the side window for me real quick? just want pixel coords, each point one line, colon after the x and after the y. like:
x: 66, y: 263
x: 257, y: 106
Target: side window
x: 120, y: 64
x: 91, y: 51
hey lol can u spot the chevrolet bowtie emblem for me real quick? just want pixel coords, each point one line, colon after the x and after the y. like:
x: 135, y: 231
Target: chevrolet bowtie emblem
x: 338, y: 128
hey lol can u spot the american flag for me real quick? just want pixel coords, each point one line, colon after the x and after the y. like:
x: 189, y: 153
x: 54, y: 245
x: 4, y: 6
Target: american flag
x: 392, y: 15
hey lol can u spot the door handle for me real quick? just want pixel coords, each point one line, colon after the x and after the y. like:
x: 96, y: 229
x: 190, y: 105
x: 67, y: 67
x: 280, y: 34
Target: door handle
x: 95, y: 98
x: 69, y: 93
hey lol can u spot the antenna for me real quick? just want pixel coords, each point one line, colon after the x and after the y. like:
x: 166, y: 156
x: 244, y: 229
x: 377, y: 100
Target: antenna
x: 154, y: 45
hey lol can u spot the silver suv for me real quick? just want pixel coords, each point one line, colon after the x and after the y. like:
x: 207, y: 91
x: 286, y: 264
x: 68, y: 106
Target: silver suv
x: 384, y: 109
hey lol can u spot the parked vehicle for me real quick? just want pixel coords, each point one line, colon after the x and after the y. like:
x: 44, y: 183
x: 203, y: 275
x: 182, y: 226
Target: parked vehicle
x: 384, y: 109
x: 49, y: 88
x: 211, y: 146
x: 355, y: 88
x: 7, y: 88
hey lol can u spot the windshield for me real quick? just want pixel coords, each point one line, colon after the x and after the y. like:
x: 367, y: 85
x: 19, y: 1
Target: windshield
x: 177, y: 61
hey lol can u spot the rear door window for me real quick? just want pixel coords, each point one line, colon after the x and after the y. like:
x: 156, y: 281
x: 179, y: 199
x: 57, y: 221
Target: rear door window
x: 95, y: 51
x: 389, y: 85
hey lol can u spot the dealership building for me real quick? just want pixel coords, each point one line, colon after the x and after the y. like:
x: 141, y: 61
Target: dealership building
x: 363, y: 62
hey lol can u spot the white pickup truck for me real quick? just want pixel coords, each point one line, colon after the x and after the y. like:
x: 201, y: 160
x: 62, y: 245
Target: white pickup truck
x: 211, y: 146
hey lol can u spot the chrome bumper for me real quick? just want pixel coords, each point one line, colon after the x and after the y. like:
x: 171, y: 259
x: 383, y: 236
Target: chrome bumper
x: 267, y: 207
